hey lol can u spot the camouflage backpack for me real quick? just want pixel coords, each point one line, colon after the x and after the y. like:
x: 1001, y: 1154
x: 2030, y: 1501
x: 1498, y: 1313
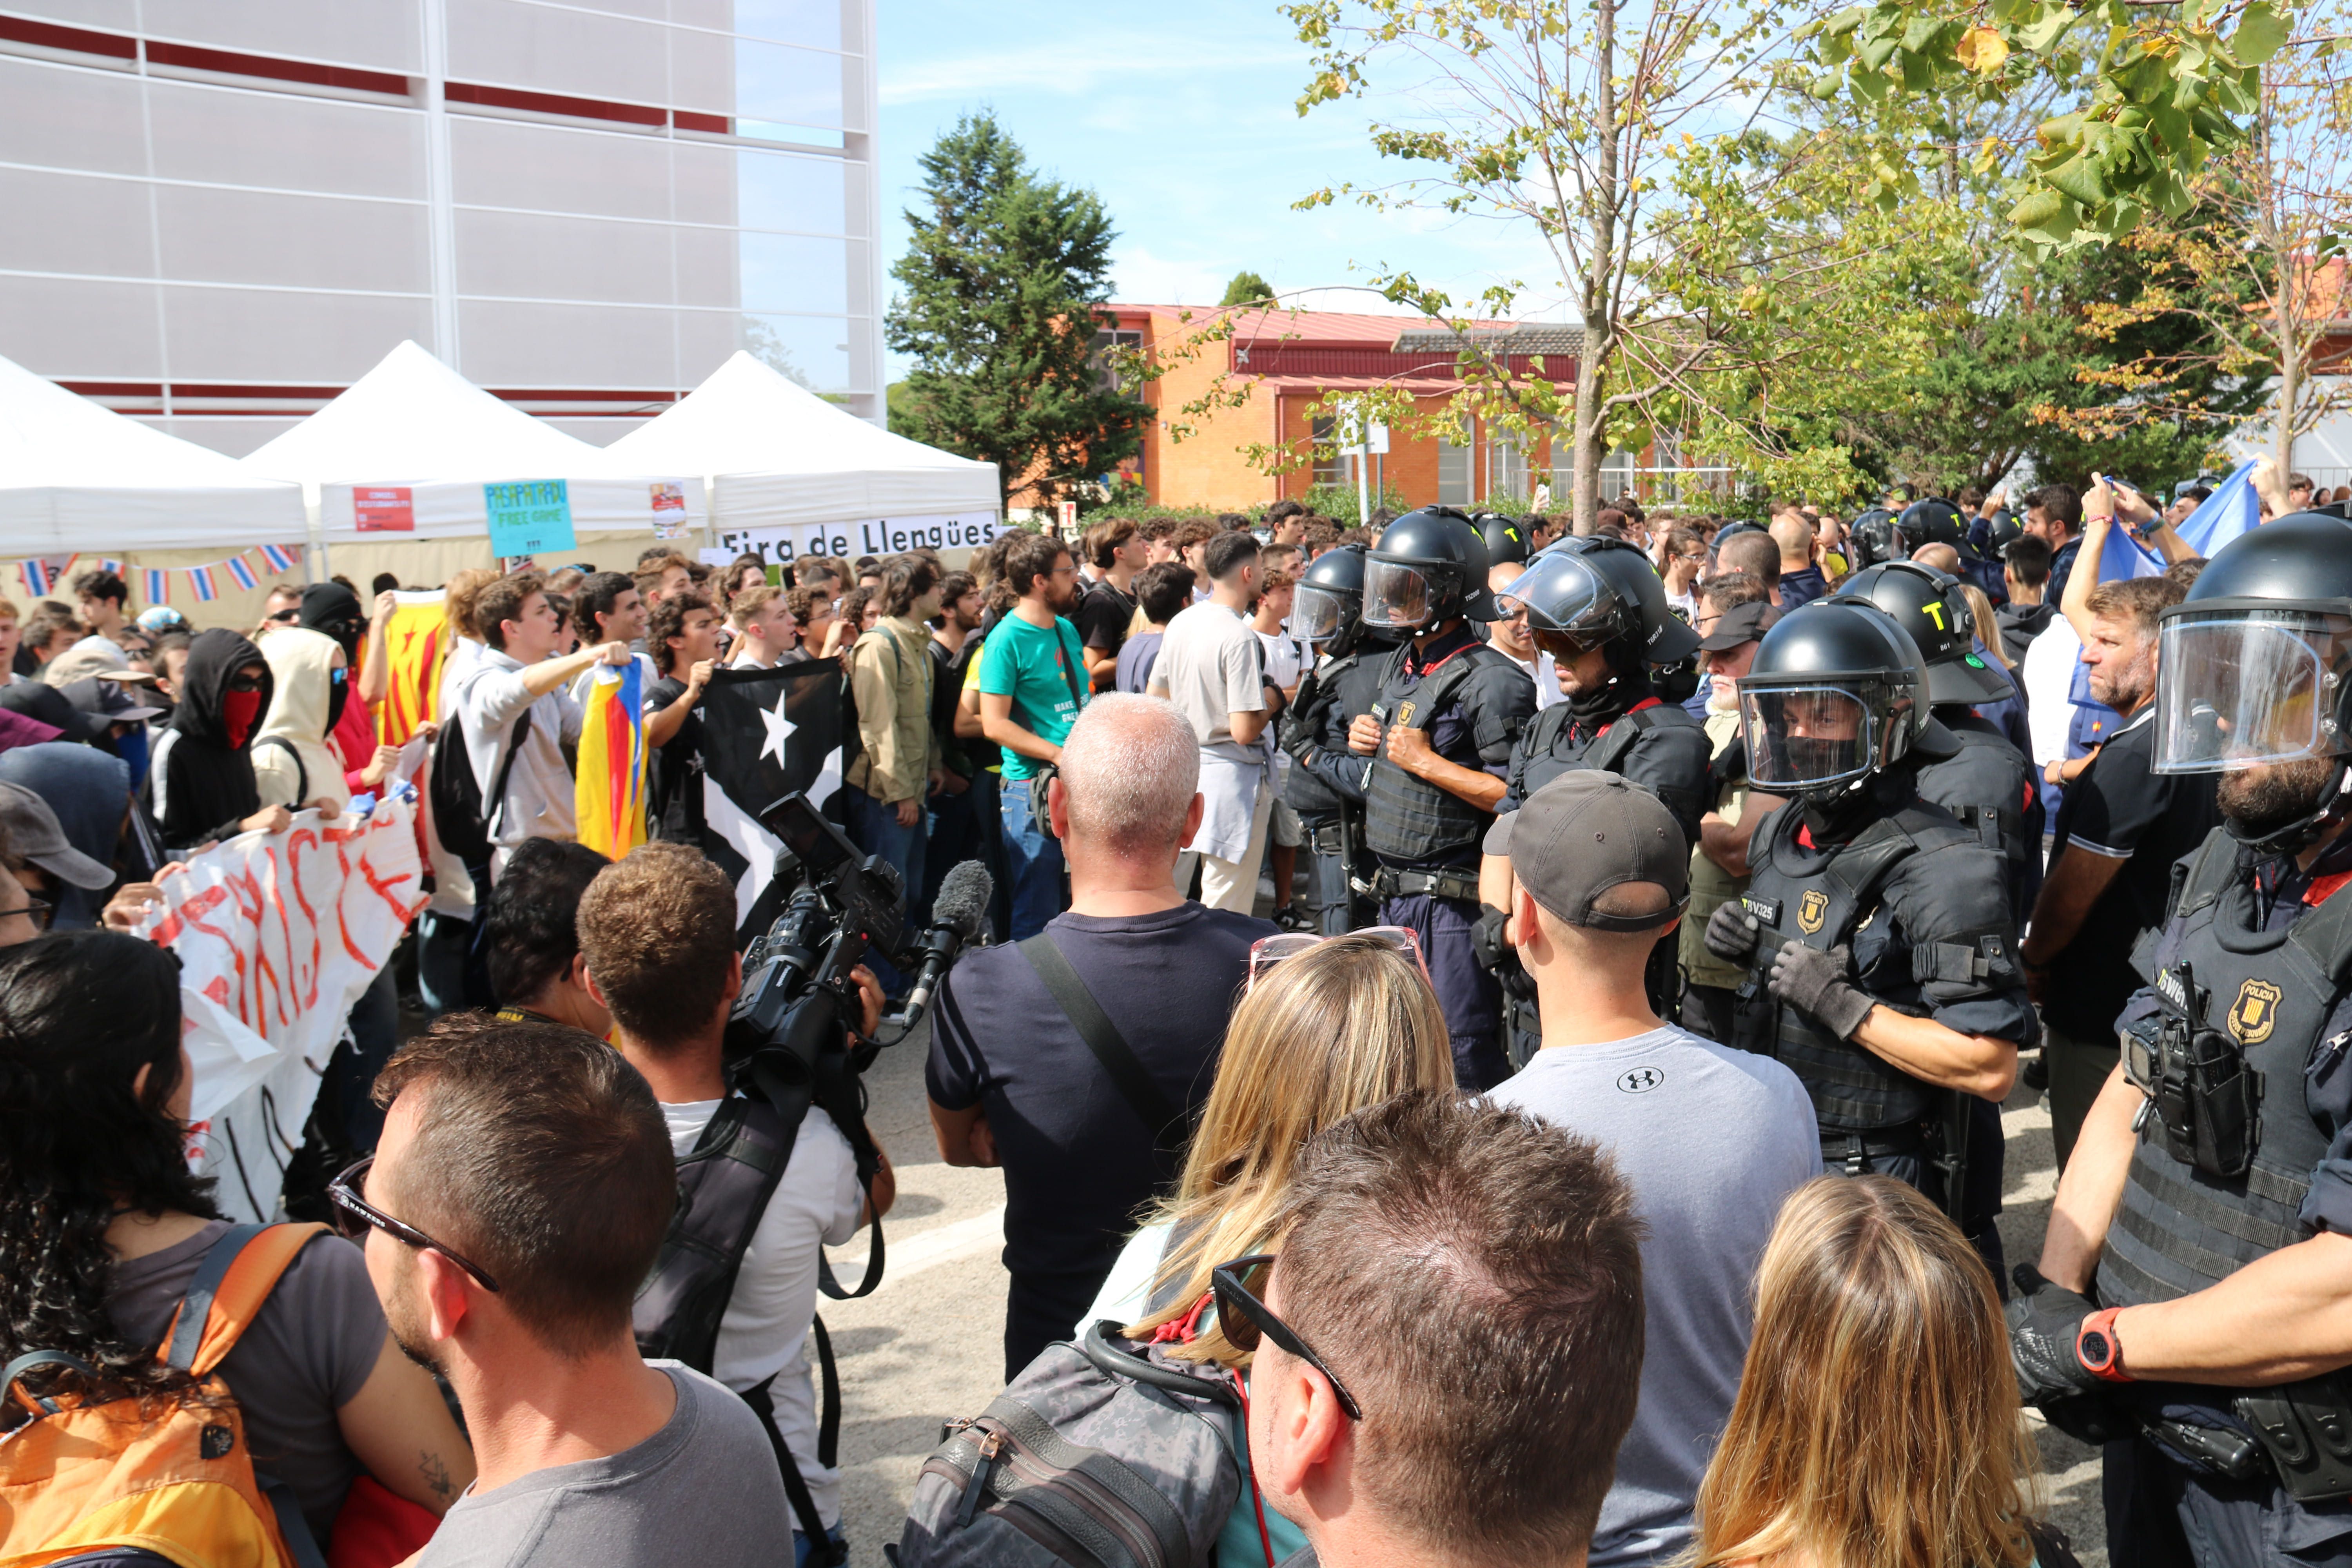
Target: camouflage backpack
x: 1102, y: 1452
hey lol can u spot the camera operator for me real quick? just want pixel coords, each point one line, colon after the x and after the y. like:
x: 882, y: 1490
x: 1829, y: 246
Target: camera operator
x: 658, y: 930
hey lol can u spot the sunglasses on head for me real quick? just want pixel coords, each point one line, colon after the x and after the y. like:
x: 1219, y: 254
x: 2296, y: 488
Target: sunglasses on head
x: 1242, y: 1319
x: 356, y: 1217
x: 1268, y: 951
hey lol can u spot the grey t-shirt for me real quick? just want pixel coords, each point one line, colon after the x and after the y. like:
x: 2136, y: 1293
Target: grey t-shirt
x: 308, y: 1352
x: 701, y: 1492
x: 1712, y: 1140
x: 1211, y: 666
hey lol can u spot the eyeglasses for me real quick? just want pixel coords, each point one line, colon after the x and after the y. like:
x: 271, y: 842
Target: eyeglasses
x: 1268, y: 951
x: 37, y: 911
x: 1242, y: 1319
x: 1568, y: 644
x: 356, y: 1217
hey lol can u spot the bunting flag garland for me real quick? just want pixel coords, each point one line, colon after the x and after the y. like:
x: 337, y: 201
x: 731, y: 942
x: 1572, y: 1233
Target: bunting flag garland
x: 241, y: 572
x: 610, y: 794
x: 158, y: 585
x: 201, y: 579
x: 280, y: 558
x: 41, y: 576
x: 44, y: 575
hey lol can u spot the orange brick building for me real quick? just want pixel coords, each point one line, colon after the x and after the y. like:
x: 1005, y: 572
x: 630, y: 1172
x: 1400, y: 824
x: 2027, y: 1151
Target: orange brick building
x: 1281, y: 363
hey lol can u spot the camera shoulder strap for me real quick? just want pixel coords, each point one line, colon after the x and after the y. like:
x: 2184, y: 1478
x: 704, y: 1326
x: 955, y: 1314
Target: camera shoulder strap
x: 1101, y: 1036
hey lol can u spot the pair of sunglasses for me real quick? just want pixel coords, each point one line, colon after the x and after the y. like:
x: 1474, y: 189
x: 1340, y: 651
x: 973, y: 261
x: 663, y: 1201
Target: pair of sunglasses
x: 1268, y: 951
x: 356, y: 1217
x: 1242, y: 1319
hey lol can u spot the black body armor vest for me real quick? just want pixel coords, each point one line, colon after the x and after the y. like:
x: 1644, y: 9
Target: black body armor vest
x: 2228, y: 1144
x: 1985, y: 788
x: 1408, y: 820
x: 1821, y: 900
x: 1331, y: 697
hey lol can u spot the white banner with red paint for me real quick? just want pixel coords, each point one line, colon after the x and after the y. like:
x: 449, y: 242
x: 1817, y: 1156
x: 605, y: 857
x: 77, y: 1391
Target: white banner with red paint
x: 278, y: 935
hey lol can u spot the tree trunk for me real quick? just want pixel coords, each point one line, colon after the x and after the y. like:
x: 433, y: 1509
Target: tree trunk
x: 1600, y: 326
x: 2290, y: 399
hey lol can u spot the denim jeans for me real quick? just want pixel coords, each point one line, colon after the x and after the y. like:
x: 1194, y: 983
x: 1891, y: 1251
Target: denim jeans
x: 801, y: 1549
x: 873, y: 827
x: 1035, y: 859
x: 442, y: 943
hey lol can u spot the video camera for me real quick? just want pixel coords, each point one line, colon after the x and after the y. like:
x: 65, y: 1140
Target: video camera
x: 799, y: 1003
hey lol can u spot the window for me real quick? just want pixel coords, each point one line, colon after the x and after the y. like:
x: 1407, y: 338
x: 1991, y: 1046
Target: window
x: 1507, y: 469
x: 1455, y: 473
x: 1616, y: 475
x: 1106, y: 378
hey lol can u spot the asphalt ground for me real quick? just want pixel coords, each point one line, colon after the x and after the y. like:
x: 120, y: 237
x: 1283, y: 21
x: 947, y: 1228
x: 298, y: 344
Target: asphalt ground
x: 928, y: 1345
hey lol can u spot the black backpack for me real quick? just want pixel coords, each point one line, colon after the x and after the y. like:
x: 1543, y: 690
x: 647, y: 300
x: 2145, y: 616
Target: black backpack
x: 724, y: 1187
x: 461, y: 821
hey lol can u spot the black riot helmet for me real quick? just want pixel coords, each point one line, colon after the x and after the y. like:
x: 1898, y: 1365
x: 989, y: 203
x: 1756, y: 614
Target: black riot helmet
x: 1506, y: 537
x: 2255, y: 666
x: 1873, y: 538
x: 1428, y: 567
x: 1932, y: 522
x: 1328, y: 609
x: 1928, y: 605
x: 2002, y: 529
x: 1585, y: 592
x: 1838, y: 692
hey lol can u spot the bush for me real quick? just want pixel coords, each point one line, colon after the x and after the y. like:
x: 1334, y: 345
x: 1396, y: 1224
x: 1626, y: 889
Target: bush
x: 1337, y: 502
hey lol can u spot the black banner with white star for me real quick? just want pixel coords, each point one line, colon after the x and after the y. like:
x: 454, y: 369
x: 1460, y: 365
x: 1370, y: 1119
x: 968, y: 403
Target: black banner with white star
x: 765, y: 734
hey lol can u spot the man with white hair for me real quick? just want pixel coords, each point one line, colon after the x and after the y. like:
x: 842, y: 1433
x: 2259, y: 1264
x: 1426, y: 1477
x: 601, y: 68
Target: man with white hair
x: 1076, y: 1060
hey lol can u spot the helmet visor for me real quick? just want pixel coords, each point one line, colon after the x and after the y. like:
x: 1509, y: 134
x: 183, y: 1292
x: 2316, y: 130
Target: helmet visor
x: 2240, y: 693
x: 1805, y: 737
x: 1396, y: 596
x: 1562, y: 593
x: 1316, y: 613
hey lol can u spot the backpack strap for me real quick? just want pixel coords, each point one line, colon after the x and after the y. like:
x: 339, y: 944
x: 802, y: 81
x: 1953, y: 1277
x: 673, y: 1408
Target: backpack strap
x: 238, y: 1271
x: 811, y: 1523
x: 495, y: 802
x: 1102, y: 1036
x: 301, y: 773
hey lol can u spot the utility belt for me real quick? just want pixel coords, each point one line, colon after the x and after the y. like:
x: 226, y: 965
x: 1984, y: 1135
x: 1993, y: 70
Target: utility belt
x: 1336, y: 836
x: 1853, y: 1152
x: 2204, y: 1099
x: 1451, y: 882
x: 2303, y: 1438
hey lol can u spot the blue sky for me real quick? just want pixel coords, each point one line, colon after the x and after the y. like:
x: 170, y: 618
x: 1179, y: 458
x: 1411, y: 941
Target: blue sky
x: 1182, y: 118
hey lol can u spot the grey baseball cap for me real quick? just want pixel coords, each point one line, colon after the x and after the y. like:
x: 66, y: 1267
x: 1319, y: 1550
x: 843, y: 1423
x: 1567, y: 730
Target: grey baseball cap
x: 1585, y: 833
x: 33, y: 834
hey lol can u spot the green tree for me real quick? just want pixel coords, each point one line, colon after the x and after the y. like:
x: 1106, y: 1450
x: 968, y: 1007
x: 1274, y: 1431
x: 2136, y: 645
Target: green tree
x: 1247, y: 288
x: 1002, y: 286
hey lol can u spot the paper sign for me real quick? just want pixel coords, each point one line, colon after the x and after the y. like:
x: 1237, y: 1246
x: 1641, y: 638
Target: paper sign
x: 530, y: 517
x: 384, y: 509
x: 669, y: 511
x: 882, y: 536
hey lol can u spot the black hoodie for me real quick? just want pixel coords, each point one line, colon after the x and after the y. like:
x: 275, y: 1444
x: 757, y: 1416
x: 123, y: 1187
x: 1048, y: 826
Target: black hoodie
x: 2020, y: 624
x: 200, y: 787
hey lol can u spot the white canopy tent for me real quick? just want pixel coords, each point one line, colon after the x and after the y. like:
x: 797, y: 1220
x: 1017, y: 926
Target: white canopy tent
x: 79, y: 477
x: 781, y: 460
x: 422, y: 443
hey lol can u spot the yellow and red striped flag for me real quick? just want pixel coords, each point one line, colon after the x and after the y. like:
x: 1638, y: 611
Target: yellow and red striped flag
x: 610, y: 794
x: 416, y: 645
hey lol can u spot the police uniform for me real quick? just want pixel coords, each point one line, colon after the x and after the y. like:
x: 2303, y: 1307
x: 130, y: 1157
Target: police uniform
x: 1327, y: 784
x: 1473, y: 700
x: 1991, y: 788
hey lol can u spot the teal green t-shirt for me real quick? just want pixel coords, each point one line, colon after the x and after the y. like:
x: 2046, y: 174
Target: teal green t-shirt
x: 1043, y: 672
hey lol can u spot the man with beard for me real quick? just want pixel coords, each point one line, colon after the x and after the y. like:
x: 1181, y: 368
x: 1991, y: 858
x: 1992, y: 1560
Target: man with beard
x: 2207, y: 1204
x: 1032, y: 680
x: 519, y: 1196
x: 2120, y: 828
x: 1876, y: 929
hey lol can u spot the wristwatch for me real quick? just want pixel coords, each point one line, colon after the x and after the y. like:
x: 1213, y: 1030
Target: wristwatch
x: 2098, y: 1349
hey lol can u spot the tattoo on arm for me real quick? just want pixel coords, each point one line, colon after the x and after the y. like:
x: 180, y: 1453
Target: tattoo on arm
x: 435, y: 1473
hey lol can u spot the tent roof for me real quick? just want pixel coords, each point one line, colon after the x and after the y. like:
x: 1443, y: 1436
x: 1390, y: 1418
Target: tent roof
x: 76, y: 476
x: 412, y: 419
x: 749, y: 420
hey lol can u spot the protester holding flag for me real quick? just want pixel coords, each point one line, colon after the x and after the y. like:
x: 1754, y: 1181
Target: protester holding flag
x: 333, y: 610
x: 683, y: 633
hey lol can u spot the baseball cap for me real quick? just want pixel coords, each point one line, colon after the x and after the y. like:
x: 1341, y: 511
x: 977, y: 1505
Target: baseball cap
x: 95, y: 694
x: 1740, y: 623
x: 33, y: 834
x: 1585, y: 833
x: 53, y: 707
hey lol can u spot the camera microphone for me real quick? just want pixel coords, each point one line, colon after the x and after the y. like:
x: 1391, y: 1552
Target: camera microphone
x: 958, y: 916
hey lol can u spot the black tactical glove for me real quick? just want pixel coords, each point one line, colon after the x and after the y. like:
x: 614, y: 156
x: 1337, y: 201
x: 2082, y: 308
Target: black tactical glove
x: 2043, y: 1321
x: 1497, y: 956
x: 1814, y: 982
x: 1731, y: 932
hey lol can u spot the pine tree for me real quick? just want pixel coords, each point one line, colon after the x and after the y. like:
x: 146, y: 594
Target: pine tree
x: 1003, y: 283
x: 1247, y: 288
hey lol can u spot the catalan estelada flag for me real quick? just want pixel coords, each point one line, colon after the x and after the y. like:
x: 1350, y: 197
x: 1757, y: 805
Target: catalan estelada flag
x: 413, y: 644
x: 610, y: 794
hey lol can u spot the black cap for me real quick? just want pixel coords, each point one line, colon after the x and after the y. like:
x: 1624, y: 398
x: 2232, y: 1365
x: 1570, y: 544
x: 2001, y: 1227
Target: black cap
x: 1740, y: 623
x: 53, y: 707
x: 1587, y: 832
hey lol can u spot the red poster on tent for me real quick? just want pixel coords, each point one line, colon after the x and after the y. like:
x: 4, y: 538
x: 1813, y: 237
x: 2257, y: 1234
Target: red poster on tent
x: 384, y: 510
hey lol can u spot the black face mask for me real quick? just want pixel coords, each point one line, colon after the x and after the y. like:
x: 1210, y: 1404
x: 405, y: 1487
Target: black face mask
x: 1835, y: 818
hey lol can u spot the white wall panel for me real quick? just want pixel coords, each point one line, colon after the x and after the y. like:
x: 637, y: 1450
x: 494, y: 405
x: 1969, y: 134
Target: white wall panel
x: 65, y: 117
x: 286, y: 141
x: 71, y: 223
x: 81, y: 329
x: 544, y: 49
x: 273, y: 336
x: 548, y: 168
x: 566, y: 345
x: 367, y: 33
x: 529, y: 255
x: 302, y: 242
x: 708, y: 266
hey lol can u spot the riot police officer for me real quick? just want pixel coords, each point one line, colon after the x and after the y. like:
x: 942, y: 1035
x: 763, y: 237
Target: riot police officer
x: 1989, y: 785
x: 1597, y: 607
x: 1506, y: 539
x: 2207, y: 1204
x: 1882, y: 956
x: 1326, y: 783
x: 1875, y: 536
x: 1440, y: 738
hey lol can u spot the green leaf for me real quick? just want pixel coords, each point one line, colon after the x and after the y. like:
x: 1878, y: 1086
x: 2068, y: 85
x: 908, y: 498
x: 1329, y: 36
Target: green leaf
x: 1874, y: 53
x: 2039, y: 36
x: 2262, y: 33
x: 2082, y: 178
x: 2037, y: 209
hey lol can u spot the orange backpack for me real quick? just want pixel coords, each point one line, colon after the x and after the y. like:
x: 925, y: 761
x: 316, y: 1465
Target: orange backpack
x: 175, y: 1480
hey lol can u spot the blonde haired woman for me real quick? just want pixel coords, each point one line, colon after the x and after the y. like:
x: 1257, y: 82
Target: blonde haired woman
x: 1346, y: 1024
x: 1878, y: 1423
